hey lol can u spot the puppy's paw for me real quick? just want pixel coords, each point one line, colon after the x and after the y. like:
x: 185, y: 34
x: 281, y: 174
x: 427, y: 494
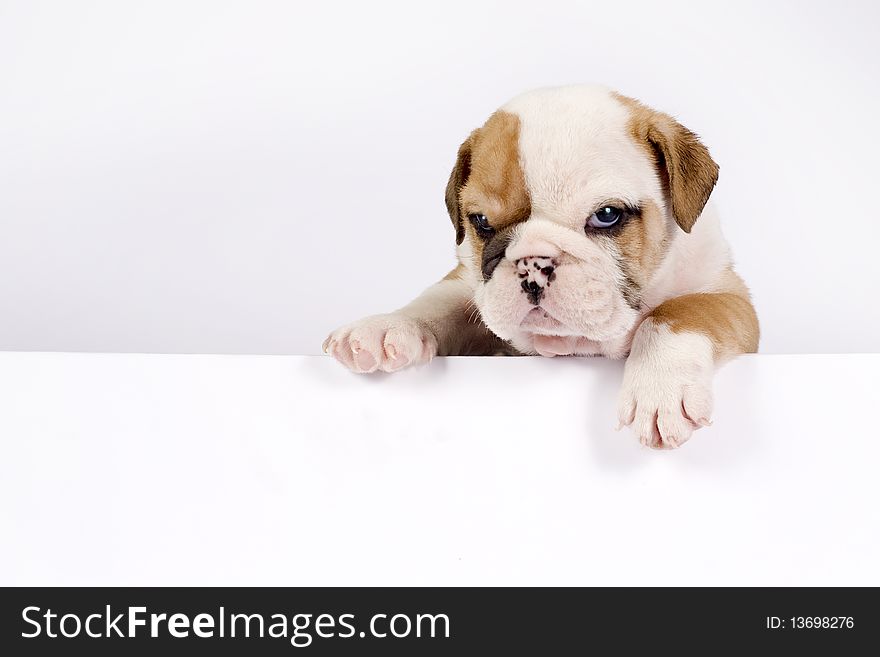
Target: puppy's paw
x: 667, y: 393
x: 382, y: 342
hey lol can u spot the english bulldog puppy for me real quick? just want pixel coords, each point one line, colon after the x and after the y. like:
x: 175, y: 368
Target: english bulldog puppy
x: 582, y: 229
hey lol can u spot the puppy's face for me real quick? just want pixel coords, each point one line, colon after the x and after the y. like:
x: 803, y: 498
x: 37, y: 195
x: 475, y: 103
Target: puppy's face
x: 565, y: 203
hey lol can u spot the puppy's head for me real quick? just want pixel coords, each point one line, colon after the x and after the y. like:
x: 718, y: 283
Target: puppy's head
x: 565, y: 203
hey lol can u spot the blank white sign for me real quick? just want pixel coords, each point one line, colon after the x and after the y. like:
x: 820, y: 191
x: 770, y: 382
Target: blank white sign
x: 247, y: 470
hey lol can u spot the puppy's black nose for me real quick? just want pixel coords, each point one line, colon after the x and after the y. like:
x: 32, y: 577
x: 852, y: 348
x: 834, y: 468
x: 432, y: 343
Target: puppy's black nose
x: 534, y: 291
x: 537, y: 273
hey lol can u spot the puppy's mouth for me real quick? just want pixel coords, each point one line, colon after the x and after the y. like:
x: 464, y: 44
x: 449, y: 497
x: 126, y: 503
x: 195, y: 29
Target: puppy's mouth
x: 538, y: 320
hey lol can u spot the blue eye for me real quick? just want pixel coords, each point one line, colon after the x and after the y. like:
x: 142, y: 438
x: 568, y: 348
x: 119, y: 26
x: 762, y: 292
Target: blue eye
x: 481, y: 223
x: 605, y: 217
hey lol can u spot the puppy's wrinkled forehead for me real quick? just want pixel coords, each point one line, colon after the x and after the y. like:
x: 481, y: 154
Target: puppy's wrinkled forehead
x: 576, y: 150
x: 561, y: 154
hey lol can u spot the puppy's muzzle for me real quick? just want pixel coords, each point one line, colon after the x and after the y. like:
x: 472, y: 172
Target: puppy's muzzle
x: 536, y: 273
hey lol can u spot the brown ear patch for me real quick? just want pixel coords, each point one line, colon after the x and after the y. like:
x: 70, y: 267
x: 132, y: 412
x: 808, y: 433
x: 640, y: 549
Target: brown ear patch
x: 687, y: 170
x: 487, y: 177
x: 460, y: 173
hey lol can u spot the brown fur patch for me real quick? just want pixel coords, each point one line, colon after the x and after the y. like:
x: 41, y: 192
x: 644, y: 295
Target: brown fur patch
x: 726, y: 318
x: 687, y: 170
x: 487, y: 179
x: 457, y: 179
x: 643, y: 243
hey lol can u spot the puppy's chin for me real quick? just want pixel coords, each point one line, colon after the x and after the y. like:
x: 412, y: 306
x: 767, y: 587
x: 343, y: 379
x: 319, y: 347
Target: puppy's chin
x: 540, y: 322
x: 544, y: 341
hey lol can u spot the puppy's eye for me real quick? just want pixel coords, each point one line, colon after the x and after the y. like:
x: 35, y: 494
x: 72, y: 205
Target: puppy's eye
x: 605, y: 217
x: 481, y: 223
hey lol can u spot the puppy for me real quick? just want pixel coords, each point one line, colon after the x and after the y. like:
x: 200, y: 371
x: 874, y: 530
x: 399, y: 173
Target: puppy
x: 582, y: 229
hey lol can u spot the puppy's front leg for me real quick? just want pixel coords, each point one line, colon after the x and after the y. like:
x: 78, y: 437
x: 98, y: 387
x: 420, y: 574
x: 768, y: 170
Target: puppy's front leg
x: 667, y: 383
x: 440, y: 321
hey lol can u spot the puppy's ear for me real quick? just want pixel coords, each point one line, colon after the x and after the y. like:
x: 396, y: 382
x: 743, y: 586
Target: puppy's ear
x: 457, y: 179
x: 687, y: 170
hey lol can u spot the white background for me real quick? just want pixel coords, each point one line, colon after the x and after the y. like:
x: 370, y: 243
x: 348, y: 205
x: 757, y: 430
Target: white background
x: 242, y: 177
x: 288, y: 470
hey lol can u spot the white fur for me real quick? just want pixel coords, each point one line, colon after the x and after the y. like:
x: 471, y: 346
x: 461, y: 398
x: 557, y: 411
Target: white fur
x: 667, y: 385
x: 576, y: 152
x: 409, y: 336
x: 382, y: 342
x: 695, y: 262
